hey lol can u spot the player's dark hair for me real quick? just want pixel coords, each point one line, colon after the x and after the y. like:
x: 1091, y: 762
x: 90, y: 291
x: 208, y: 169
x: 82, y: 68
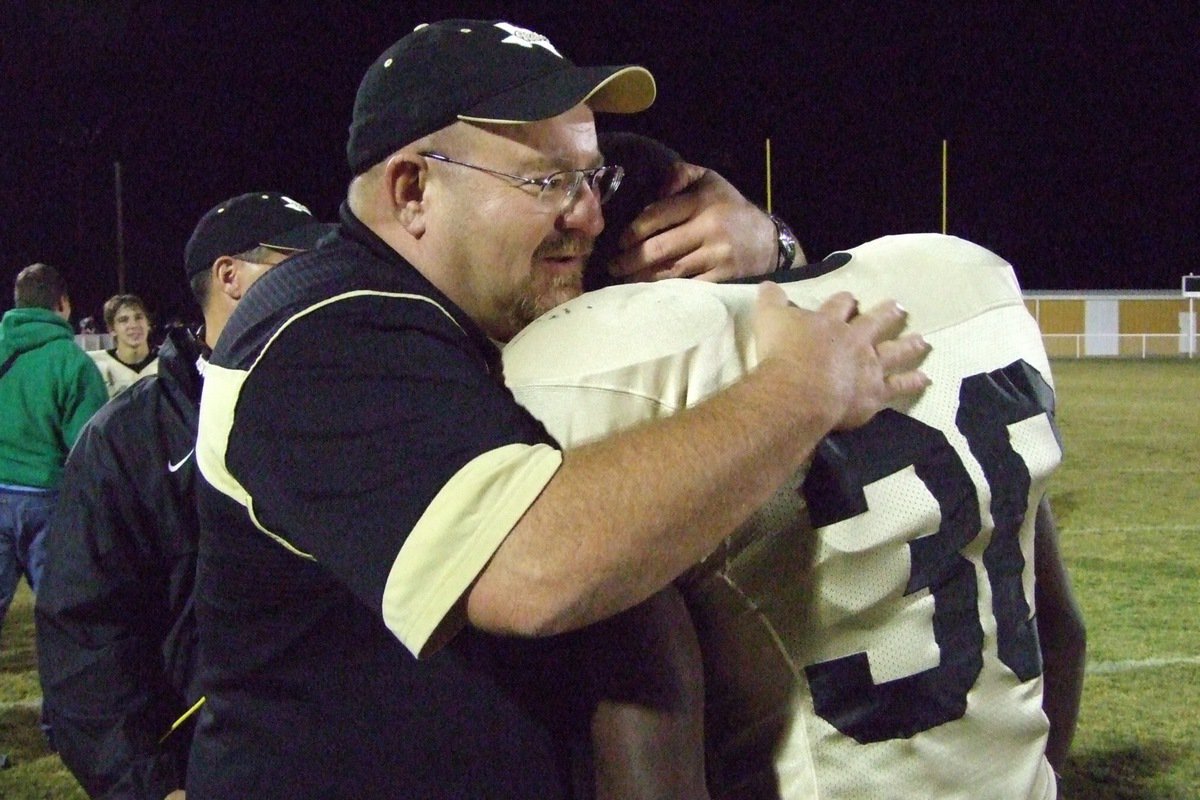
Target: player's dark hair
x: 648, y: 165
x: 201, y: 285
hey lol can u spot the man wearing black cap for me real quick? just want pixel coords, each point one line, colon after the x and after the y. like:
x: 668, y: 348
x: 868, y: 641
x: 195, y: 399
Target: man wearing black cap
x: 384, y: 529
x: 116, y: 633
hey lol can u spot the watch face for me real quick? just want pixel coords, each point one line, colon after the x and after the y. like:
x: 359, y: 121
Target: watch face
x: 787, y: 244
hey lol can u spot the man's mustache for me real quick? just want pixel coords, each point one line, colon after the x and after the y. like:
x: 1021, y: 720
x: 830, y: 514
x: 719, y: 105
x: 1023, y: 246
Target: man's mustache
x: 568, y: 246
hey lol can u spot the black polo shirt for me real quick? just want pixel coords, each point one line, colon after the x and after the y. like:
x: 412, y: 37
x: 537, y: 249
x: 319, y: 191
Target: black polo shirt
x: 362, y: 462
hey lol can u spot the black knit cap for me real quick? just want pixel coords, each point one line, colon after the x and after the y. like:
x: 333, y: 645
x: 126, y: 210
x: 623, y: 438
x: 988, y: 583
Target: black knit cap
x: 477, y: 71
x: 248, y: 221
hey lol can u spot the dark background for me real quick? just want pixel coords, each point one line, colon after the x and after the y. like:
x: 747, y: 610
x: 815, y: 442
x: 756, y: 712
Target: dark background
x: 1072, y: 126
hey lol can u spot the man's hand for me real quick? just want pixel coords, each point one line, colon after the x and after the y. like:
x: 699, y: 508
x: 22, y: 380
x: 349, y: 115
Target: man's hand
x: 701, y: 228
x: 851, y: 365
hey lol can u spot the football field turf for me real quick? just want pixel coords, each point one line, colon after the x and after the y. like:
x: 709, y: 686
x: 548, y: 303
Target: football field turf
x: 1127, y: 501
x: 1128, y: 506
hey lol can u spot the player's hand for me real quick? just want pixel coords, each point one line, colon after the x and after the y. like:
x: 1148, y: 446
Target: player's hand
x: 851, y: 364
x: 701, y: 228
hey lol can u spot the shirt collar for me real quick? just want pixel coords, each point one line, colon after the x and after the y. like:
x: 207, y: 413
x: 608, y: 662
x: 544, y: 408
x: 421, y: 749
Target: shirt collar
x: 354, y: 229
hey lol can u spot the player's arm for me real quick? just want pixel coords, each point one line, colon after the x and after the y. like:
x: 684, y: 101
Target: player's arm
x: 648, y: 725
x: 626, y: 515
x: 1063, y: 638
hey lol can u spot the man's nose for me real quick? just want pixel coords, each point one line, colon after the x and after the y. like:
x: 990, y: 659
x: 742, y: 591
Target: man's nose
x: 584, y: 214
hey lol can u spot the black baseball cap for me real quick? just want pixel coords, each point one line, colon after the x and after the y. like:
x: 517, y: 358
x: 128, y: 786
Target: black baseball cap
x: 477, y: 71
x: 251, y: 220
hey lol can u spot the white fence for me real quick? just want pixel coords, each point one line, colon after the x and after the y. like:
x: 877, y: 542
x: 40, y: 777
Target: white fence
x: 1119, y: 345
x: 1116, y: 324
x: 95, y: 341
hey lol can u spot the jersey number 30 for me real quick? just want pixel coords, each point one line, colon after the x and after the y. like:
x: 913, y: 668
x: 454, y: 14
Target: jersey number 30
x: 843, y: 692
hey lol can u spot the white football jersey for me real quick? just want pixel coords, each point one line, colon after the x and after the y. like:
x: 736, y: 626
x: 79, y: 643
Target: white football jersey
x: 870, y: 632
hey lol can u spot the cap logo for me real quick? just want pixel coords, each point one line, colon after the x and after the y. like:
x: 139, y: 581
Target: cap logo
x: 293, y: 205
x: 525, y: 38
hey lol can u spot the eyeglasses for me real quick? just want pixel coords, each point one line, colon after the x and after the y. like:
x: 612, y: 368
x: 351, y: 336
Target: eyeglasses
x: 558, y: 191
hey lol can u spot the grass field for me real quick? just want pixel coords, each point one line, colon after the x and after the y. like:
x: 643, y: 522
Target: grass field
x: 1128, y: 511
x: 1127, y: 506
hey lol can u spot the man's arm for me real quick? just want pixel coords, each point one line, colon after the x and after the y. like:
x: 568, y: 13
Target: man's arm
x: 702, y: 228
x: 99, y: 652
x: 683, y: 483
x: 1062, y: 635
x: 86, y: 394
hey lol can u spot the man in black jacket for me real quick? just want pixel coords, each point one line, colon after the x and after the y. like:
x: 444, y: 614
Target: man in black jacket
x: 116, y: 635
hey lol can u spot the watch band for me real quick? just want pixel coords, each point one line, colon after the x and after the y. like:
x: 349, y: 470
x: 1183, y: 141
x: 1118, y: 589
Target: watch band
x: 787, y: 244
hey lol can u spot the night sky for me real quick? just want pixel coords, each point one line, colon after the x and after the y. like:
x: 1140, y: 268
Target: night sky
x: 1072, y: 127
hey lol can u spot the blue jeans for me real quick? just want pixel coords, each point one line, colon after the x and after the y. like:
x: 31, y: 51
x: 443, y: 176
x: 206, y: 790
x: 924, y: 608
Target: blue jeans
x: 24, y: 518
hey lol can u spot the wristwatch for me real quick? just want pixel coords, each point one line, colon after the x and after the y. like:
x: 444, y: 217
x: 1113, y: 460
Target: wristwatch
x: 788, y: 245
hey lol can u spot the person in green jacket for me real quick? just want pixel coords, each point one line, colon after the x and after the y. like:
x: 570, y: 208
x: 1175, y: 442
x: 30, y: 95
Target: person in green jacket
x: 48, y: 389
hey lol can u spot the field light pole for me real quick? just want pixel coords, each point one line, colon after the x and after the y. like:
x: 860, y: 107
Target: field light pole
x: 945, y: 156
x: 120, y: 228
x: 768, y: 175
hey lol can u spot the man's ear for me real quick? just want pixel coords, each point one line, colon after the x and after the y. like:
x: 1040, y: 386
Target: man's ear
x: 404, y: 180
x: 225, y: 277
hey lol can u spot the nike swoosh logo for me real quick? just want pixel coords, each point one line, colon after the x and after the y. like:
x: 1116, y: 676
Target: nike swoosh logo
x: 175, y: 467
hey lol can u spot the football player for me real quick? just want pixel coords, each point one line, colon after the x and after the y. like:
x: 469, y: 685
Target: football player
x: 897, y: 621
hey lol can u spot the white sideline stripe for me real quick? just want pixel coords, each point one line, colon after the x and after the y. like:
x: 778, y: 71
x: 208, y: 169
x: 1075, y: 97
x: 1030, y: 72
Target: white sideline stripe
x: 34, y: 704
x: 1134, y: 529
x: 1098, y: 668
x: 1158, y: 470
x: 1112, y: 667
